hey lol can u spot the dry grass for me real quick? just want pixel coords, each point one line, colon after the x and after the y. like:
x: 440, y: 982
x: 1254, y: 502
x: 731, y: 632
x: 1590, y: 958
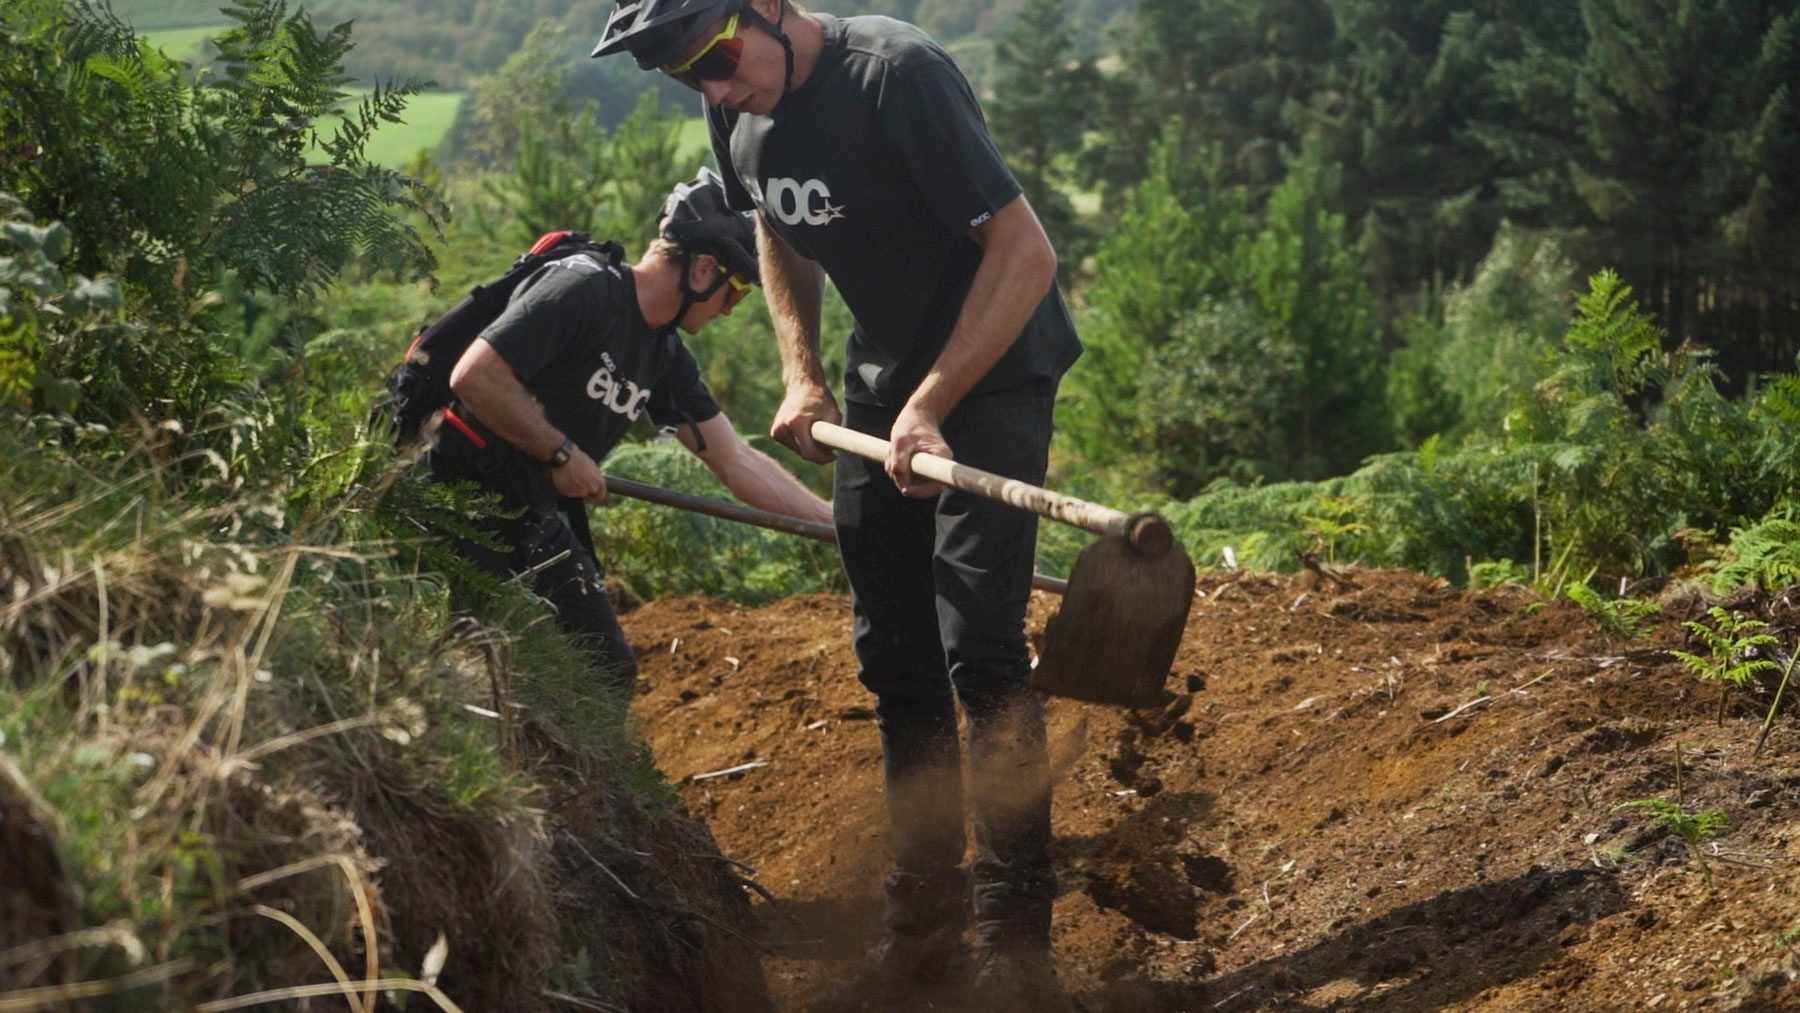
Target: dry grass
x: 260, y: 760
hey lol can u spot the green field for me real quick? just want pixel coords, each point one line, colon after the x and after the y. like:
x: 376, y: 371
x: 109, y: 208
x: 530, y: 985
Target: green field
x: 184, y: 43
x: 693, y: 142
x: 152, y: 16
x: 428, y: 118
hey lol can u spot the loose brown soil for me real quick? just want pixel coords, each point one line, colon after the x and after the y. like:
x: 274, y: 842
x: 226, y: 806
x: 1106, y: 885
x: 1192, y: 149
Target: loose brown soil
x: 1318, y: 821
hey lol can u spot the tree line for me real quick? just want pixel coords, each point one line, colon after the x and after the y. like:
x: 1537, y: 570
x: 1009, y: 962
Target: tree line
x: 1657, y: 137
x: 1292, y: 190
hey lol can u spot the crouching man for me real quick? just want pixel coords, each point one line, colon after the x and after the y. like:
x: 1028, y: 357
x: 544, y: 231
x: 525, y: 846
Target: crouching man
x: 586, y: 347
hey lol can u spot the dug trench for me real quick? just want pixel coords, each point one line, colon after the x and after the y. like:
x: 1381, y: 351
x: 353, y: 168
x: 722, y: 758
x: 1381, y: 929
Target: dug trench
x: 1380, y: 794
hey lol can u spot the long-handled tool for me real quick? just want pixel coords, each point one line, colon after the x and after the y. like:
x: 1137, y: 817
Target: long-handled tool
x: 727, y: 510
x: 1122, y: 617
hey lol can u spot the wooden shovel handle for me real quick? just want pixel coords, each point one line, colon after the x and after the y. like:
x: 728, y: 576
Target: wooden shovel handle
x: 761, y: 518
x: 1147, y: 533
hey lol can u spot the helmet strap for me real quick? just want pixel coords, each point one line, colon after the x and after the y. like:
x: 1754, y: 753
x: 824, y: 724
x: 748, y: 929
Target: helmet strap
x: 775, y: 29
x: 691, y: 298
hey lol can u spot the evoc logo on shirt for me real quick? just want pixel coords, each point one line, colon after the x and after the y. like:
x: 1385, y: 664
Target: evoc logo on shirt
x: 793, y: 202
x: 625, y: 398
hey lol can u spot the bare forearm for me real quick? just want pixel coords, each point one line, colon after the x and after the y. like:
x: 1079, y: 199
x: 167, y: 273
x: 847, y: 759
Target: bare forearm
x: 757, y: 479
x: 489, y: 388
x: 794, y: 288
x: 1017, y: 269
x: 752, y: 476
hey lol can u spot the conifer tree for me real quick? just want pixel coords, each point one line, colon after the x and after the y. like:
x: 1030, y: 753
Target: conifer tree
x: 1666, y: 131
x: 1040, y: 111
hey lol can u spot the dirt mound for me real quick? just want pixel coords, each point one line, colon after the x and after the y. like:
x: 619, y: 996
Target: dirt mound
x: 37, y: 899
x: 1388, y: 795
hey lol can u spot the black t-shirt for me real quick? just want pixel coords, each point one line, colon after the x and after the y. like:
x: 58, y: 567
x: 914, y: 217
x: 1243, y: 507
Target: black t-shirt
x: 878, y: 167
x: 574, y: 335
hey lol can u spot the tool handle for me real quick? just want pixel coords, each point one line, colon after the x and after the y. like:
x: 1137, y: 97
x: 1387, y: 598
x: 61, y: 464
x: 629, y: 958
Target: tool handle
x: 1147, y: 533
x: 760, y: 518
x: 720, y: 508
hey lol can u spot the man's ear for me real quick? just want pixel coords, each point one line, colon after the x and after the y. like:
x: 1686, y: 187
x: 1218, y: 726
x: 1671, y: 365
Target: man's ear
x: 705, y: 267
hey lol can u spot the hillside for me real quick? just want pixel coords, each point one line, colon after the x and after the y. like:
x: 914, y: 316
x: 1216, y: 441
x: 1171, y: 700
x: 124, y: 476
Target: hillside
x: 1324, y: 819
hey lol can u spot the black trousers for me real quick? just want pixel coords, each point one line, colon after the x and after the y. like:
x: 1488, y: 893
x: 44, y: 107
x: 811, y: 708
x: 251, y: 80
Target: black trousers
x: 547, y: 537
x: 939, y: 588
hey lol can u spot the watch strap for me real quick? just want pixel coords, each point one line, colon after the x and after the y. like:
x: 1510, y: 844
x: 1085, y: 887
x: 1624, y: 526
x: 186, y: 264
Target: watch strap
x: 560, y: 456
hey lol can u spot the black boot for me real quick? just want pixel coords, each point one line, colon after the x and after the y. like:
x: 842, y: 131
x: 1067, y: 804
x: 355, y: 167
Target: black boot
x: 1014, y: 881
x: 922, y: 938
x: 920, y: 951
x: 1018, y: 978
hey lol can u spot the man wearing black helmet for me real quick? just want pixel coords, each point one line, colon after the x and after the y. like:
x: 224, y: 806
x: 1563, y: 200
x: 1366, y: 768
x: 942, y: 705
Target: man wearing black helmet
x: 863, y: 148
x: 585, y: 347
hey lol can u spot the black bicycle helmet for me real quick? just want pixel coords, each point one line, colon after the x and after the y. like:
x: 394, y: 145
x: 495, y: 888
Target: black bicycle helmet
x: 696, y: 218
x: 660, y: 32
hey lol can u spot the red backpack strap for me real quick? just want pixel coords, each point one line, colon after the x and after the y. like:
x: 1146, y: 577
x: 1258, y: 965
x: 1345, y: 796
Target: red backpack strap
x: 548, y: 241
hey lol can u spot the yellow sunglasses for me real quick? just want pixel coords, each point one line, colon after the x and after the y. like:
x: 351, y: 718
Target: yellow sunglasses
x: 716, y: 61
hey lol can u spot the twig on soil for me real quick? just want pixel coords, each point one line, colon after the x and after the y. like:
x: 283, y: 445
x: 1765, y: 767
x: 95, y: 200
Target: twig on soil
x: 629, y: 892
x: 1472, y: 703
x: 1607, y: 660
x: 747, y: 880
x: 580, y: 1003
x: 728, y: 771
x: 1520, y: 690
x: 757, y: 888
x: 748, y: 871
x: 1745, y: 862
x: 1232, y: 996
x: 1731, y: 858
x: 1241, y: 928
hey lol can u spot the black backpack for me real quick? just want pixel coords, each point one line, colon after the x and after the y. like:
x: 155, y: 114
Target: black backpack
x: 420, y: 385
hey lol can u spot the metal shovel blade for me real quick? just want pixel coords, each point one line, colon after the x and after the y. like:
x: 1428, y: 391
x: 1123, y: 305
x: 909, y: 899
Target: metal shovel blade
x: 1114, y: 639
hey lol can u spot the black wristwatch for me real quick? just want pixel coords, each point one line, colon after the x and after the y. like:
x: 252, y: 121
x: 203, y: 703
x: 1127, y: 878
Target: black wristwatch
x: 561, y: 456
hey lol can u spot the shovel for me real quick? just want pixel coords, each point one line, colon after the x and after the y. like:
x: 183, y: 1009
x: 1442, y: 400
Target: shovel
x: 727, y: 510
x: 1126, y: 607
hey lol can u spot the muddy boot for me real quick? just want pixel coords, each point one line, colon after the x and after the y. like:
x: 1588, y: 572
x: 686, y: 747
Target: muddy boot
x: 1018, y: 978
x: 1014, y: 880
x: 920, y: 950
x: 922, y: 933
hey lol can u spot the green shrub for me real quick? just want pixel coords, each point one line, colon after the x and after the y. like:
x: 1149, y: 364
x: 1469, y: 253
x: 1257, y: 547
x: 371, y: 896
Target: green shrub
x: 1497, y: 573
x: 43, y: 313
x: 661, y: 550
x: 173, y: 181
x: 1736, y: 647
x: 1221, y: 347
x: 1694, y: 828
x: 1618, y: 618
x: 1765, y: 555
